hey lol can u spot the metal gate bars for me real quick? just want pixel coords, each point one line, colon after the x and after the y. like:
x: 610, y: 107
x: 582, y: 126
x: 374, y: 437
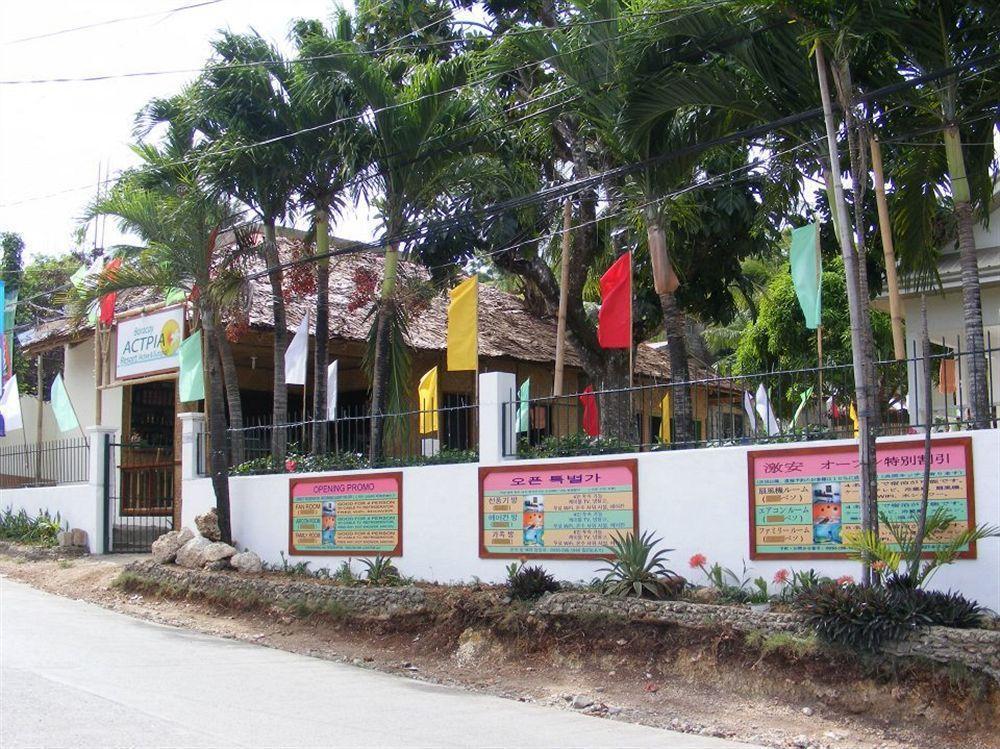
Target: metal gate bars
x: 138, y: 496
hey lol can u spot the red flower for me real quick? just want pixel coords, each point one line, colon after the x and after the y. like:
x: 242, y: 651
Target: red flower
x: 781, y: 576
x: 878, y: 565
x: 845, y: 580
x: 291, y: 465
x: 698, y: 560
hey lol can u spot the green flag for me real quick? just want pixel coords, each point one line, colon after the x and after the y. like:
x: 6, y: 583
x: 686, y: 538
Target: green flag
x: 806, y: 272
x: 523, y: 396
x: 174, y: 296
x: 62, y: 407
x: 803, y: 399
x: 192, y: 376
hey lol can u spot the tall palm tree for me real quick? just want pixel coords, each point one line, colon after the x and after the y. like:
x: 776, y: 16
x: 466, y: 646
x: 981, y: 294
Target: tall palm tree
x: 413, y: 142
x: 240, y: 104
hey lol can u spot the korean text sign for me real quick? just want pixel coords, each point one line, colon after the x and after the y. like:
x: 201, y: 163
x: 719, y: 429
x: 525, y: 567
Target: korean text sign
x: 803, y: 501
x: 356, y: 514
x: 557, y: 510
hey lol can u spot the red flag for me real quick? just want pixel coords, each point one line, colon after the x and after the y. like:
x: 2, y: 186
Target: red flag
x: 591, y: 422
x: 614, y: 319
x: 107, y: 314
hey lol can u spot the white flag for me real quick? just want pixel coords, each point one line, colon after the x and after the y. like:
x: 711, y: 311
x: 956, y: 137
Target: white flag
x: 10, y: 408
x: 297, y: 353
x: 750, y: 408
x: 764, y: 409
x: 331, y: 391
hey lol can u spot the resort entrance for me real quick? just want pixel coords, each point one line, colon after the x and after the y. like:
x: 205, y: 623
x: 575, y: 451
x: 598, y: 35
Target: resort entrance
x: 142, y: 467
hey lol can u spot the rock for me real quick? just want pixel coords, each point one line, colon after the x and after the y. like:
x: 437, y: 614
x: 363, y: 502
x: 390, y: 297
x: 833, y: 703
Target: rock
x: 807, y: 711
x: 78, y: 537
x: 192, y: 554
x: 580, y: 702
x: 614, y: 710
x: 63, y: 538
x: 246, y: 562
x: 208, y: 525
x: 165, y: 548
x: 186, y: 535
x: 218, y: 564
x: 217, y: 551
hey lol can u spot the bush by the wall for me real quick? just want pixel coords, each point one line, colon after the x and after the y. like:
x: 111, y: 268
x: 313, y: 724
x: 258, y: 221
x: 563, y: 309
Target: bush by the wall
x: 525, y: 583
x: 20, y: 526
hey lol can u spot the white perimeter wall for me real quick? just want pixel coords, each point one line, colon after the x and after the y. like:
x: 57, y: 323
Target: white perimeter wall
x: 77, y: 505
x: 695, y: 500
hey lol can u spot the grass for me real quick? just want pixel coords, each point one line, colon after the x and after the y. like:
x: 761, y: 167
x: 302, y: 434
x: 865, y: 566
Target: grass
x: 783, y: 642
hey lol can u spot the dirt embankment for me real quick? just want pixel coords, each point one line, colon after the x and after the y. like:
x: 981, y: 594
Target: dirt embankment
x: 773, y: 691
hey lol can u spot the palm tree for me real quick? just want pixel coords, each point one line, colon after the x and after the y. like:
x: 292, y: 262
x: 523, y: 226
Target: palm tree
x: 936, y: 35
x: 412, y: 146
x: 240, y: 103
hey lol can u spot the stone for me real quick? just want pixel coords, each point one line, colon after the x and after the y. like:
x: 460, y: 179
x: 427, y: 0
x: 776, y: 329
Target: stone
x: 217, y: 551
x: 218, y: 564
x: 208, y: 525
x: 165, y: 548
x: 807, y: 711
x: 192, y: 554
x: 78, y: 537
x: 246, y: 562
x: 580, y: 702
x: 186, y: 535
x: 63, y: 538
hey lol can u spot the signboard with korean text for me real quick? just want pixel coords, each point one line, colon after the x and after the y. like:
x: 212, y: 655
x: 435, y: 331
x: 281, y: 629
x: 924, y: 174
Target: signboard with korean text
x: 347, y: 515
x: 557, y: 510
x: 804, y: 500
x: 149, y: 344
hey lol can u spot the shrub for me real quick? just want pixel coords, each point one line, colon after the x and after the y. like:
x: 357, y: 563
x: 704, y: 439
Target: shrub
x: 732, y: 588
x: 381, y: 571
x: 20, y: 526
x: 637, y: 569
x: 573, y: 444
x: 525, y: 583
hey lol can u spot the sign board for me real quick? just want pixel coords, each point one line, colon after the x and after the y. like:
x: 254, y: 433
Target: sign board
x: 346, y: 515
x: 148, y: 344
x: 557, y: 510
x: 803, y: 500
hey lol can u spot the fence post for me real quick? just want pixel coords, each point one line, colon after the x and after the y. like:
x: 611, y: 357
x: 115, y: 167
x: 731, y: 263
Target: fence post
x: 97, y: 437
x: 496, y: 428
x: 192, y: 425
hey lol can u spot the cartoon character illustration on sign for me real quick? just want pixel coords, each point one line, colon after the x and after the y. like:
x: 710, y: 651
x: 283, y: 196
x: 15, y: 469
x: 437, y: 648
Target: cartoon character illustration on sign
x: 533, y: 520
x: 827, y: 513
x: 329, y: 523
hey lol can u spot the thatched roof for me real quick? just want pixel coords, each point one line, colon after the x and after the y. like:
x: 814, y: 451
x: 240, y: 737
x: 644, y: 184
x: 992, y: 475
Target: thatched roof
x: 507, y: 329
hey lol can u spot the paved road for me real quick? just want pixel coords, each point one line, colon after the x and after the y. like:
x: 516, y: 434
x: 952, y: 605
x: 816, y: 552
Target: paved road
x: 75, y: 675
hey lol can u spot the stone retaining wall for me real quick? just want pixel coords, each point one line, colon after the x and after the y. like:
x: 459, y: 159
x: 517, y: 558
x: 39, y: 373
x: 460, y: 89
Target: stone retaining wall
x: 977, y: 649
x: 41, y: 553
x: 359, y: 602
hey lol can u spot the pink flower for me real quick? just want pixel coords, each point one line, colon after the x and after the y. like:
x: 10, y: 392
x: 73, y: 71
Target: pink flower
x: 696, y: 561
x: 291, y: 465
x: 845, y: 580
x: 781, y: 576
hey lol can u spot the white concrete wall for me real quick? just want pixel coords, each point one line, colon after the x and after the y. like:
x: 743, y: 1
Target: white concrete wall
x: 695, y: 500
x: 81, y: 385
x: 77, y: 504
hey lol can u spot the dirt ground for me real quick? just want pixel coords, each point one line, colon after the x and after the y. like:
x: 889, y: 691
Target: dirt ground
x: 668, y: 680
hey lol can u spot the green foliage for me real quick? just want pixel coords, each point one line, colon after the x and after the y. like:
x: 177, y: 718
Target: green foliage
x: 899, y: 557
x: 638, y: 569
x: 298, y: 462
x: 21, y: 527
x: 758, y: 591
x: 573, y: 444
x: 525, y: 583
x: 732, y: 587
x: 382, y: 572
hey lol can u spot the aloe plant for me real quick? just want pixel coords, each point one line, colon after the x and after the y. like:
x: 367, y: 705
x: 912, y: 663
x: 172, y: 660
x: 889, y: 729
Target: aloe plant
x: 637, y: 569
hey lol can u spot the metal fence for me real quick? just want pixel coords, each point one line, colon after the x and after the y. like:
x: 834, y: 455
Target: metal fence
x: 449, y: 434
x: 779, y: 406
x: 45, y: 464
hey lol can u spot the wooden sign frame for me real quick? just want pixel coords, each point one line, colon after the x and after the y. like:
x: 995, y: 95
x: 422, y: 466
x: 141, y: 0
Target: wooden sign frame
x: 851, y: 449
x: 630, y: 463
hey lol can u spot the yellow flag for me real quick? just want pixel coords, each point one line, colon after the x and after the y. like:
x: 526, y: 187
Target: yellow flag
x: 463, y: 327
x: 428, y: 395
x: 854, y: 418
x: 665, y: 413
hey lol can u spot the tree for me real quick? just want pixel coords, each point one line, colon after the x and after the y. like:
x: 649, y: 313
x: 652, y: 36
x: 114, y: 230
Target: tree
x: 11, y: 260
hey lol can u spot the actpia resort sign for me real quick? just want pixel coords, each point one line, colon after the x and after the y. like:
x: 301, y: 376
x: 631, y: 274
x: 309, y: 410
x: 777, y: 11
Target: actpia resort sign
x: 557, y: 510
x: 355, y: 515
x: 149, y: 344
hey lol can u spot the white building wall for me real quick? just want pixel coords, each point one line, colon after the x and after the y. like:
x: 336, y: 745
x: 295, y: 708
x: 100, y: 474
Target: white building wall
x: 695, y: 500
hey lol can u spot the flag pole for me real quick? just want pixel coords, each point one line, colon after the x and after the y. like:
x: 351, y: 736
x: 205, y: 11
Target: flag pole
x: 39, y: 428
x: 98, y: 372
x: 557, y: 385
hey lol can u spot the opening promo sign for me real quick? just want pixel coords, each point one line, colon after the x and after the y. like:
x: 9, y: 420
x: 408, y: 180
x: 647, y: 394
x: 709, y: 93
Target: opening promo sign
x: 148, y: 344
x: 558, y: 510
x: 359, y: 514
x: 803, y: 500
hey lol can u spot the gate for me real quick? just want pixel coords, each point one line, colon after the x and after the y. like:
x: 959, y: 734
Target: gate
x: 138, y: 496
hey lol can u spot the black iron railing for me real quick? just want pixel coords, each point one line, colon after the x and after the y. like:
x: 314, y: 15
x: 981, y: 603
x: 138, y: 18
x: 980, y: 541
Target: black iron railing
x: 45, y: 464
x: 780, y: 406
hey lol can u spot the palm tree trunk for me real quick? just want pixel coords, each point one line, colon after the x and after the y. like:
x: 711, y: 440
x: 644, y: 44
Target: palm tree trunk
x: 680, y: 397
x: 279, y: 436
x: 322, y: 359
x: 615, y: 412
x: 972, y: 308
x: 218, y: 463
x: 380, y: 360
x: 233, y: 400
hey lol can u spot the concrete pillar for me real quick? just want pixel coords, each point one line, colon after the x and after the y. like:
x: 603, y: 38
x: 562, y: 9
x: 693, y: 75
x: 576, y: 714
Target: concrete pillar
x: 192, y: 440
x: 100, y: 471
x: 496, y: 420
